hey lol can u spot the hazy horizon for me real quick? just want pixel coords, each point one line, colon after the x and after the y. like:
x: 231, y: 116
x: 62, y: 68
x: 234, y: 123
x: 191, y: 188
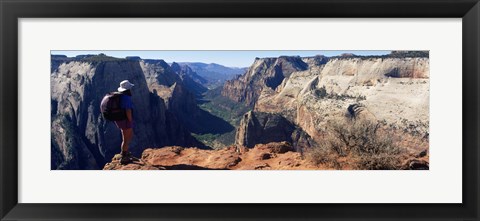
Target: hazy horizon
x: 232, y: 58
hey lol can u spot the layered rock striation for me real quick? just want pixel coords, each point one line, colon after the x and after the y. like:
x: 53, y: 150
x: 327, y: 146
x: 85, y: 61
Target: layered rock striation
x: 262, y: 128
x: 264, y: 74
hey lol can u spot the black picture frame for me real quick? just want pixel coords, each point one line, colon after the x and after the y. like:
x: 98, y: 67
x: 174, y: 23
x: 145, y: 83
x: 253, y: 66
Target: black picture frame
x: 12, y: 10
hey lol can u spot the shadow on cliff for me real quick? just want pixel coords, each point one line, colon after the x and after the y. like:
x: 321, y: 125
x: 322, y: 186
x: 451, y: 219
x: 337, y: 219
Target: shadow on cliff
x: 206, y: 123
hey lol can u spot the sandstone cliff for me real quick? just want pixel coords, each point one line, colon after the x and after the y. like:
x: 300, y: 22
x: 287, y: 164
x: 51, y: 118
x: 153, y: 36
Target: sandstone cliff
x: 160, y: 76
x: 390, y: 89
x: 264, y: 74
x: 164, y: 81
x: 262, y: 128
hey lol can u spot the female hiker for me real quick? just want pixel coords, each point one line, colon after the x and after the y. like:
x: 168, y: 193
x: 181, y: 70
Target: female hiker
x: 126, y: 126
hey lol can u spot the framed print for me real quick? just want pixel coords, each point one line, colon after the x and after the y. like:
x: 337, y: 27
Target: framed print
x: 198, y: 110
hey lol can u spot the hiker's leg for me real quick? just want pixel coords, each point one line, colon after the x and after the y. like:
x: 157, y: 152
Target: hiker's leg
x: 127, y: 135
x: 122, y: 147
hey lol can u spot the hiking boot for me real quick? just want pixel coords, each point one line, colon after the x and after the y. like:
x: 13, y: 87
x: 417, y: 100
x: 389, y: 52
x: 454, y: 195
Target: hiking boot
x: 127, y: 154
x: 126, y: 158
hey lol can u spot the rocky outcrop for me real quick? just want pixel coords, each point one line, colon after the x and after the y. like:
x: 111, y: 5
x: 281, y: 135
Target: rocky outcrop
x: 164, y: 81
x: 360, y: 112
x: 81, y: 138
x: 264, y: 74
x: 158, y: 73
x: 136, y: 164
x: 271, y: 156
x: 160, y: 76
x: 57, y: 60
x: 261, y: 128
x: 317, y: 60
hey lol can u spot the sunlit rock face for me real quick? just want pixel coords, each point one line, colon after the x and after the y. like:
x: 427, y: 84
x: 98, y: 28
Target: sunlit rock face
x: 263, y: 74
x: 393, y: 89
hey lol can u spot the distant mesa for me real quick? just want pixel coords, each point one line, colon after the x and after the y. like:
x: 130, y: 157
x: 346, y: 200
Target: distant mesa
x: 88, y: 56
x: 347, y: 55
x: 58, y: 56
x: 133, y: 58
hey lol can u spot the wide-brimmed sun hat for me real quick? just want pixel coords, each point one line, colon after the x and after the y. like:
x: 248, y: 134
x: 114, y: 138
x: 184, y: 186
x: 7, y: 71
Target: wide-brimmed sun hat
x: 125, y: 85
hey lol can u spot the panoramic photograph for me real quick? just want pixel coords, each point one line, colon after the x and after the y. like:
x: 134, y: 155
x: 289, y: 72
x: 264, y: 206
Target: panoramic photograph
x: 240, y: 110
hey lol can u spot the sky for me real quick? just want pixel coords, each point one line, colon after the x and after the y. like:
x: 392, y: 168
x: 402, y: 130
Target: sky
x: 226, y: 58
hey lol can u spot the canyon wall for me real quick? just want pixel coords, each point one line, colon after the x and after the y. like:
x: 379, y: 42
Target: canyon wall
x: 264, y: 74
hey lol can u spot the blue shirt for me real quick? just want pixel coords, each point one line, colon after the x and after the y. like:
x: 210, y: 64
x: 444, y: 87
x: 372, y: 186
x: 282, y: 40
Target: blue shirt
x: 126, y: 102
